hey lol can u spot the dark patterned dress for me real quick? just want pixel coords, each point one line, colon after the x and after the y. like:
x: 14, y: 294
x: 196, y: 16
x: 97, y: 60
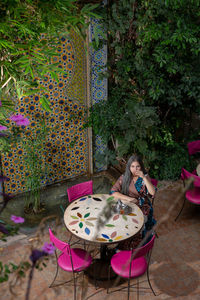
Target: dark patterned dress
x: 139, y: 191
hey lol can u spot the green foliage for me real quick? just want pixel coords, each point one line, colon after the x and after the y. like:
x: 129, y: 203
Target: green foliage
x: 12, y: 230
x: 6, y: 270
x: 169, y: 162
x: 153, y: 76
x: 34, y: 144
x: 29, y: 35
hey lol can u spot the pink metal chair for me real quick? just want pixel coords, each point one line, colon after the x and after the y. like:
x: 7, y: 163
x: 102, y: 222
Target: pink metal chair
x: 76, y: 191
x: 192, y: 195
x: 73, y: 260
x: 154, y: 182
x: 193, y: 148
x: 79, y: 190
x: 133, y: 263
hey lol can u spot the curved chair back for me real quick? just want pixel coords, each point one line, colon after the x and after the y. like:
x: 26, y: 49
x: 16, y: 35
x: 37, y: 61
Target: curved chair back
x: 154, y: 182
x: 79, y: 190
x: 193, y: 147
x: 142, y: 251
x: 185, y: 175
x: 62, y: 246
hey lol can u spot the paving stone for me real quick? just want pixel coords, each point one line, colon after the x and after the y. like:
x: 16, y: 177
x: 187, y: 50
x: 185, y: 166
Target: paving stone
x: 174, y: 268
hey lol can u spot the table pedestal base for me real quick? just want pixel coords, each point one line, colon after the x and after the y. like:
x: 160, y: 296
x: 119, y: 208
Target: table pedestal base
x: 98, y: 270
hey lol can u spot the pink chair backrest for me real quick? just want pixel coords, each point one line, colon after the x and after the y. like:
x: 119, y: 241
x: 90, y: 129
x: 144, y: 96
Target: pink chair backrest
x: 154, y: 182
x: 185, y: 175
x: 62, y: 246
x: 79, y: 190
x: 142, y: 251
x: 193, y: 147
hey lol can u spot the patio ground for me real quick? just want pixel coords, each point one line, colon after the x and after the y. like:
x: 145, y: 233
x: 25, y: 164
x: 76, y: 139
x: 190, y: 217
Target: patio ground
x: 175, y: 262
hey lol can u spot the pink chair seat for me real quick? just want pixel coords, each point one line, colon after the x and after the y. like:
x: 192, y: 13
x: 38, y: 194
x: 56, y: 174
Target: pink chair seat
x: 81, y: 260
x: 120, y: 265
x: 193, y: 195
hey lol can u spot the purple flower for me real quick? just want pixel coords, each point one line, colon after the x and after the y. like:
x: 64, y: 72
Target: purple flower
x: 24, y: 122
x: 3, y: 127
x: 3, y: 229
x: 3, y: 134
x: 16, y: 219
x: 20, y: 120
x: 0, y: 103
x: 16, y: 118
x: 3, y: 178
x: 48, y: 248
x: 37, y: 254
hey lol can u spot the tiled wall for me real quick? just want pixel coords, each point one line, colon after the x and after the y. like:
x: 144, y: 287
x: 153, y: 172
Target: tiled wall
x: 98, y: 60
x: 66, y: 145
x: 66, y: 152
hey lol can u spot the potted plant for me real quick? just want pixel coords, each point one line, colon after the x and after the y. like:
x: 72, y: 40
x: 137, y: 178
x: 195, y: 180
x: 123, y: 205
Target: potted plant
x: 36, y: 167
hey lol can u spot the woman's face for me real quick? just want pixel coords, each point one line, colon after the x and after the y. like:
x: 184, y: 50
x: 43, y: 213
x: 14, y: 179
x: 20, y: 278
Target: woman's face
x: 135, y: 166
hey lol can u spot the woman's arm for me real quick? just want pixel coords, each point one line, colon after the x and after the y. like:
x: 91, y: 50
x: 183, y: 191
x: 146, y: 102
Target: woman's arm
x: 124, y: 197
x: 116, y: 191
x: 147, y: 181
x: 150, y: 187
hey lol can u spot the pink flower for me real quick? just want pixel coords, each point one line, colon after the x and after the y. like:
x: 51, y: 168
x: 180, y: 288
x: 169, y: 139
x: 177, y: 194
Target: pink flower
x: 24, y: 122
x: 3, y: 127
x: 16, y: 118
x: 17, y: 219
x: 20, y: 120
x: 48, y: 248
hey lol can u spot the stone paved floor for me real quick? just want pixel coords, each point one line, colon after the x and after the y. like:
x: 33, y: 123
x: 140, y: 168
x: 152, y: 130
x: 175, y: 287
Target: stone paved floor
x: 174, y: 269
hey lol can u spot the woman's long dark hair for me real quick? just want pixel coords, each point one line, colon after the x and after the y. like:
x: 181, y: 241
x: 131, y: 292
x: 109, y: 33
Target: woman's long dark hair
x: 128, y: 175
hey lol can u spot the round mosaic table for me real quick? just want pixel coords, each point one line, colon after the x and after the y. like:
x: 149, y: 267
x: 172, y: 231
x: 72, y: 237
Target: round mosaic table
x: 85, y: 218
x: 198, y: 170
x: 92, y: 218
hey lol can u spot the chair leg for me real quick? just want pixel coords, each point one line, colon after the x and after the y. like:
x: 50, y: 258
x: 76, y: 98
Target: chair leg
x: 150, y: 282
x: 74, y: 275
x: 138, y: 288
x: 128, y: 287
x: 180, y: 210
x: 55, y: 285
x: 51, y: 285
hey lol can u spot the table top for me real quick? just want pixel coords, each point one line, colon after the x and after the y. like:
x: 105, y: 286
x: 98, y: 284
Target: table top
x: 198, y: 169
x: 82, y: 218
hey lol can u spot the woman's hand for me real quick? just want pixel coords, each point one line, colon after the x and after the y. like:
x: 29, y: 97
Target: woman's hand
x: 134, y: 200
x: 130, y: 200
x: 139, y: 173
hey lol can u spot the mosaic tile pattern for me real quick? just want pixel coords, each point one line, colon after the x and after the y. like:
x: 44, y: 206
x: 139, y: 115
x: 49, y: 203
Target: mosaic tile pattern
x: 98, y: 91
x: 66, y: 144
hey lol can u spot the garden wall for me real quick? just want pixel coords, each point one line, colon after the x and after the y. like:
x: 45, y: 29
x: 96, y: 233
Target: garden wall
x: 66, y: 145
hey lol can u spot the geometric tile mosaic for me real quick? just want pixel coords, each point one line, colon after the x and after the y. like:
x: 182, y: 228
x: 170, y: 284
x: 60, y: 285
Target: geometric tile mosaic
x: 98, y: 87
x: 66, y: 145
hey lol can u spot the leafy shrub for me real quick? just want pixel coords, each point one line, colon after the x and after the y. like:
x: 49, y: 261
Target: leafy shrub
x: 153, y: 82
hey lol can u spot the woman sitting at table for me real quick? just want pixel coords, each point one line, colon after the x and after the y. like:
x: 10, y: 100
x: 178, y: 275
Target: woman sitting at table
x: 135, y: 186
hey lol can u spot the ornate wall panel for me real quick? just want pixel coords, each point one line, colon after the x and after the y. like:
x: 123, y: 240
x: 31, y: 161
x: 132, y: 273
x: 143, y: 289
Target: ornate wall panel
x: 98, y: 87
x: 66, y: 145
